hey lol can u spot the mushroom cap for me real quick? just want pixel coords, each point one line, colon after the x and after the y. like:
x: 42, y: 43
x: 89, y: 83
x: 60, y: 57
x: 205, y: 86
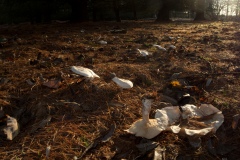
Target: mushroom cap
x: 190, y: 110
x: 167, y: 116
x: 147, y: 130
x: 159, y: 47
x: 86, y: 72
x: 208, y: 119
x: 170, y: 46
x: 211, y: 117
x: 199, y: 132
x: 143, y: 52
x: 123, y: 83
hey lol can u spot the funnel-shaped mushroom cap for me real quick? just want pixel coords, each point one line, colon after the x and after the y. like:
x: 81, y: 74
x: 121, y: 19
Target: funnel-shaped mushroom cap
x: 167, y: 116
x: 86, y: 72
x: 209, y: 116
x: 200, y: 121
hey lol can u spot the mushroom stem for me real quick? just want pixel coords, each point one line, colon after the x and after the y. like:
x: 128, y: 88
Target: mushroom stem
x: 145, y: 116
x: 146, y: 109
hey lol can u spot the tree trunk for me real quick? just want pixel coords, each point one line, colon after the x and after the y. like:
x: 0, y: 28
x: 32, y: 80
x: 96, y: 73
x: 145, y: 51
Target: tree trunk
x: 79, y: 10
x: 218, y: 8
x: 200, y: 15
x: 47, y: 9
x: 163, y: 13
x: 165, y: 8
x: 116, y: 10
x: 94, y: 10
x: 227, y: 9
x: 200, y: 9
x: 134, y: 10
x: 237, y: 8
x: 135, y: 15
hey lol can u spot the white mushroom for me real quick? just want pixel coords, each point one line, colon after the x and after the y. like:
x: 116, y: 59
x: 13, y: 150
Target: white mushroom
x: 143, y: 52
x: 160, y: 48
x: 103, y: 42
x: 12, y: 128
x: 200, y: 121
x: 123, y: 83
x: 145, y: 127
x: 170, y: 46
x: 195, y: 121
x: 86, y: 72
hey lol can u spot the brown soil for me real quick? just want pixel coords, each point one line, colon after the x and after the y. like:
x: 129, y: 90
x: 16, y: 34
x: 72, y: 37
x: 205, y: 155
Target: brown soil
x: 204, y: 50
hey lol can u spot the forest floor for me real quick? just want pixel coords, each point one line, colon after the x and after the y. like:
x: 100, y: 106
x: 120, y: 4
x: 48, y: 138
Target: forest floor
x: 54, y: 109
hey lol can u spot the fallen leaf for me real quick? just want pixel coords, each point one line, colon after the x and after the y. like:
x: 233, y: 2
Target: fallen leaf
x: 211, y: 149
x: 175, y: 84
x: 117, y: 104
x: 169, y: 99
x: 175, y: 75
x: 41, y: 124
x: 194, y: 141
x: 52, y: 83
x: 92, y: 145
x: 4, y: 103
x: 223, y: 149
x: 2, y: 114
x: 235, y: 121
x: 208, y: 82
x: 109, y: 134
x: 48, y: 151
x: 30, y: 82
x: 147, y: 146
x: 74, y: 105
x: 119, y: 31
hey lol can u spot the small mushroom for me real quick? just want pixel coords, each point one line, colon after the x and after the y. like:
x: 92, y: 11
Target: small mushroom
x: 123, y: 83
x: 143, y: 52
x: 86, y: 72
x: 12, y: 128
x: 170, y: 47
x: 160, y: 48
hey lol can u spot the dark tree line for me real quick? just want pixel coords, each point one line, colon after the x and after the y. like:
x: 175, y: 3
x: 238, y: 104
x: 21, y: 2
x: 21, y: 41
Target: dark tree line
x: 96, y: 10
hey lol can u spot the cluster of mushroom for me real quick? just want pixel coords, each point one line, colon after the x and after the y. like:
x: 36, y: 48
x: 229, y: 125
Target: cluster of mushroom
x: 192, y: 122
x: 205, y: 118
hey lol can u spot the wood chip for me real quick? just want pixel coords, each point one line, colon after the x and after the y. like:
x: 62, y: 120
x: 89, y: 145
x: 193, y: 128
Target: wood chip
x: 41, y: 124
